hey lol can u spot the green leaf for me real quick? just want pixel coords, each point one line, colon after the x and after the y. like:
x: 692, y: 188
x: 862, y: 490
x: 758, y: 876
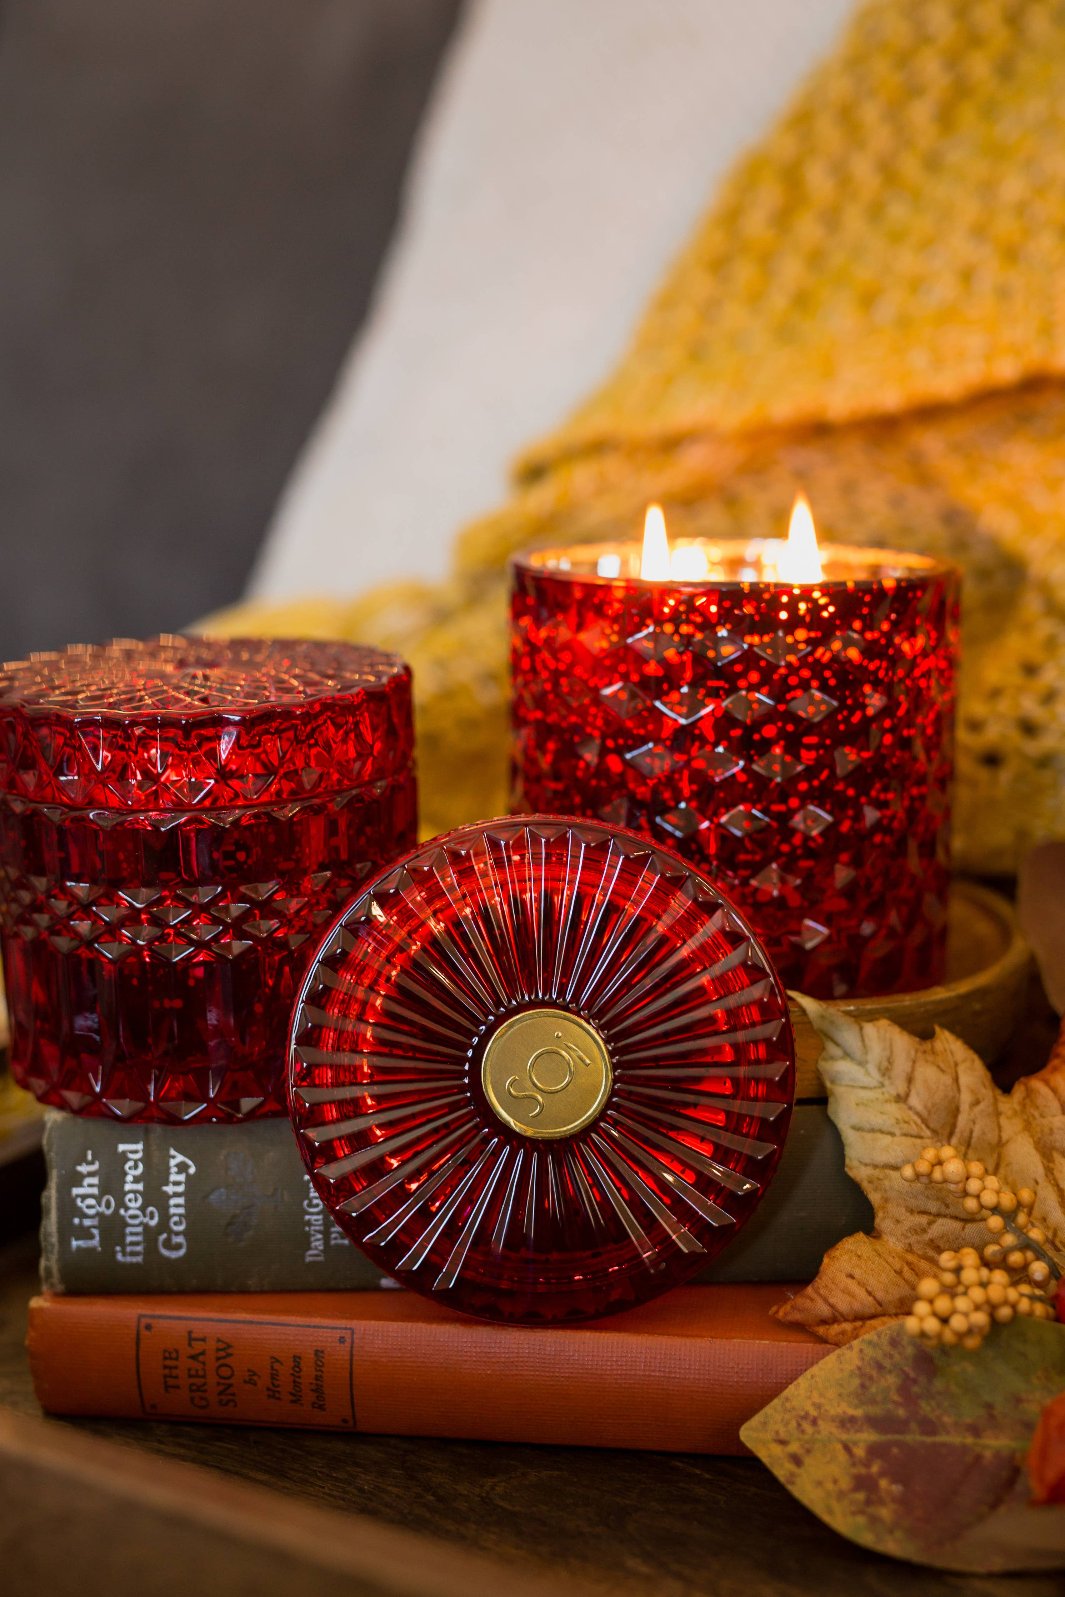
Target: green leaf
x: 919, y: 1452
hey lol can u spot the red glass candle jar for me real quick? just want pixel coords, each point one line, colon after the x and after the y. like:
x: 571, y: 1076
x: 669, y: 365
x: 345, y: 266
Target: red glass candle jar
x: 541, y: 1070
x: 793, y: 740
x: 178, y: 821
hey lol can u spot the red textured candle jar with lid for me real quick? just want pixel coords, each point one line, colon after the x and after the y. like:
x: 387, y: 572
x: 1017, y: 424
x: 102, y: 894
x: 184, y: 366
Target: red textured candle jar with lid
x: 793, y: 738
x: 179, y: 819
x: 541, y: 1070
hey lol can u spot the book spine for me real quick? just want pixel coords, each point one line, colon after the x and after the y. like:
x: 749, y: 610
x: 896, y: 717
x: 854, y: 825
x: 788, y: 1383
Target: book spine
x: 323, y: 1365
x: 231, y: 1209
x: 155, y: 1208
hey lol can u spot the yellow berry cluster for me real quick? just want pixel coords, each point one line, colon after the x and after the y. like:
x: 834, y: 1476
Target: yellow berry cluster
x: 961, y: 1302
x: 971, y: 1290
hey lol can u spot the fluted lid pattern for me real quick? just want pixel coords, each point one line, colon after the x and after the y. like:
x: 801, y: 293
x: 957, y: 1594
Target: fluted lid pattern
x: 541, y: 1070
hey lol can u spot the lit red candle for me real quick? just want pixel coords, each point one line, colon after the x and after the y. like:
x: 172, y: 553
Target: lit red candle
x: 779, y: 714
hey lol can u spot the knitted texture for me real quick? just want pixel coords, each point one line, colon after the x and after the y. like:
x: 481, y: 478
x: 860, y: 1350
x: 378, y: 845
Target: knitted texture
x: 873, y: 310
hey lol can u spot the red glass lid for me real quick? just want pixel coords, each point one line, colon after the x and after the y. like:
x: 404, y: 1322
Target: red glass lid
x: 188, y: 723
x: 541, y: 1070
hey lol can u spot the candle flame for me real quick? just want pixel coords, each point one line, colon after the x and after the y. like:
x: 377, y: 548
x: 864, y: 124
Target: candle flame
x: 654, y: 561
x: 689, y: 563
x: 795, y: 559
x: 659, y: 562
x: 799, y: 559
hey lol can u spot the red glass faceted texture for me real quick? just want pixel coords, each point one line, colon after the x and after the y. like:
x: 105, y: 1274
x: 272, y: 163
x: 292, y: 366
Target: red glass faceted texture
x: 179, y: 821
x: 587, y: 931
x: 794, y: 742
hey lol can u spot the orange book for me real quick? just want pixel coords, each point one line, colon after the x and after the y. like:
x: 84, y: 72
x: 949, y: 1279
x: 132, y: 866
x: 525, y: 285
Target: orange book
x: 681, y: 1374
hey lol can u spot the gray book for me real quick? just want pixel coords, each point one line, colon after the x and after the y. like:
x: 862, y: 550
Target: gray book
x: 232, y: 1209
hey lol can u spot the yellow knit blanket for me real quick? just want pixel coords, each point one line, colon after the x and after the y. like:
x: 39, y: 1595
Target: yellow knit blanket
x: 873, y: 310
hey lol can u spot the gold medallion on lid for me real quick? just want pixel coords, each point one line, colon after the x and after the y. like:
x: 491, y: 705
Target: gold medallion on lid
x: 546, y: 1073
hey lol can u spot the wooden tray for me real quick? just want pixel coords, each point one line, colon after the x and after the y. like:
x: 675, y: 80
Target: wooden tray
x: 99, y: 1509
x: 982, y: 1001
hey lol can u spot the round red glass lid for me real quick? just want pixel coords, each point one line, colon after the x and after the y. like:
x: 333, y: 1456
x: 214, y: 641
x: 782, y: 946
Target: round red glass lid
x: 541, y: 1070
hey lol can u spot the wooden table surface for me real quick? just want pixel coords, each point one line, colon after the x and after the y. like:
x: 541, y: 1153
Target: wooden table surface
x: 470, y: 1516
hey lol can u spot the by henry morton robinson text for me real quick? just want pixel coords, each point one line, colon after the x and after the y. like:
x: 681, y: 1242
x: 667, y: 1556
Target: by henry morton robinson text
x: 259, y: 1372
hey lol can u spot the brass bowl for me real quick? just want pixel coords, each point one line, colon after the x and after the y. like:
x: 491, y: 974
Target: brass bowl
x: 982, y: 1000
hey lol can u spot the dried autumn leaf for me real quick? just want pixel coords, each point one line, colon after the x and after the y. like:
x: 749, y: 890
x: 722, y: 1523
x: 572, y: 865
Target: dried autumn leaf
x: 891, y: 1094
x: 919, y: 1452
x: 860, y: 1286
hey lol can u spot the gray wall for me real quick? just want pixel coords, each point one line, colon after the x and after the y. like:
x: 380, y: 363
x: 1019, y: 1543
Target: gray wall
x: 194, y: 198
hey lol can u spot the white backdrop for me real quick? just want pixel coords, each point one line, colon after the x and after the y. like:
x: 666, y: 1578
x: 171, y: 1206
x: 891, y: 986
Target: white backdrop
x: 569, y: 149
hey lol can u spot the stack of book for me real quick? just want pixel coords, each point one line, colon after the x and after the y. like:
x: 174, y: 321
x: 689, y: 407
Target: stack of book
x: 192, y: 1273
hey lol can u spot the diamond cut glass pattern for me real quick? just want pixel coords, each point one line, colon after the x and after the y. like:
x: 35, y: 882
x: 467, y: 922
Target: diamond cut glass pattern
x: 571, y: 976
x: 810, y: 730
x: 175, y: 834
